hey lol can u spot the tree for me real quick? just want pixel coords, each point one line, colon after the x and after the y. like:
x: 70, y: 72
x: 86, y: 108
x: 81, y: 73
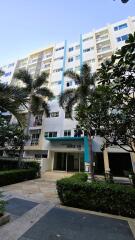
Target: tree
x: 12, y: 99
x: 12, y: 139
x: 119, y: 75
x: 85, y: 82
x: 110, y: 110
x: 36, y: 91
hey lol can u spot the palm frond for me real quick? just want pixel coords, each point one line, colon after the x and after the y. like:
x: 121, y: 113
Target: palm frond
x: 69, y: 107
x: 46, y: 108
x: 25, y: 77
x: 45, y: 92
x: 36, y: 104
x: 73, y: 76
x: 40, y: 80
x: 65, y: 97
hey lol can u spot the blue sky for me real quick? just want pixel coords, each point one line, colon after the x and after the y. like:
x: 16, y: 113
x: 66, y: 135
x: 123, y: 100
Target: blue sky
x: 27, y: 25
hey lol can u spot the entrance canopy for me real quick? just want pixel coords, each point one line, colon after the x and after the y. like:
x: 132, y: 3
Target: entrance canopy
x: 70, y: 140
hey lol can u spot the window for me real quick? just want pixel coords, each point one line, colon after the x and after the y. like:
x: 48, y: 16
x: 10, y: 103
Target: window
x: 7, y: 74
x: 70, y: 59
x: 70, y: 49
x: 44, y: 155
x: 69, y: 69
x: 120, y: 27
x: 67, y: 133
x: 77, y: 69
x: 58, y: 49
x: 10, y: 65
x: 87, y: 39
x: 67, y: 115
x: 122, y: 38
x: 58, y: 70
x: 77, y: 47
x: 56, y: 82
x: 54, y: 114
x: 77, y: 57
x: 58, y: 58
x: 88, y: 49
x: 50, y: 134
x: 69, y: 84
x: 38, y: 121
x: 35, y: 137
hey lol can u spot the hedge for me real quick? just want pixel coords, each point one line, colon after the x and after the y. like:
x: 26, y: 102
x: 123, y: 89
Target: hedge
x: 15, y: 176
x: 97, y: 196
x: 2, y: 206
x: 9, y: 164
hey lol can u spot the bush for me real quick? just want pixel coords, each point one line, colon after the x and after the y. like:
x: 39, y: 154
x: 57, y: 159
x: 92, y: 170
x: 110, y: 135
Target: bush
x: 97, y: 196
x: 2, y: 207
x: 8, y: 164
x: 15, y: 176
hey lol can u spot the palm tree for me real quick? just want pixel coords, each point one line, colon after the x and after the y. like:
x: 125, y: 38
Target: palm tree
x: 11, y: 99
x: 36, y: 91
x: 85, y: 84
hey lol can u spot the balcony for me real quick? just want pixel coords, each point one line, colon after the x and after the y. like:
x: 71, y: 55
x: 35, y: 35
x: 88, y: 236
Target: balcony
x: 102, y: 38
x: 104, y: 49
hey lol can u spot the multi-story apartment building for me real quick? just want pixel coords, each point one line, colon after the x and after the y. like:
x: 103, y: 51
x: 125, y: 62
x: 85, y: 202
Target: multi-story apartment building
x: 52, y: 139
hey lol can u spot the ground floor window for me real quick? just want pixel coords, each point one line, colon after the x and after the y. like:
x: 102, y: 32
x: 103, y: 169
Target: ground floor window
x: 68, y: 162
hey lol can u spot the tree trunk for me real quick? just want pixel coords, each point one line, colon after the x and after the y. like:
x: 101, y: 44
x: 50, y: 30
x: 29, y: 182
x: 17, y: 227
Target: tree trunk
x: 91, y: 156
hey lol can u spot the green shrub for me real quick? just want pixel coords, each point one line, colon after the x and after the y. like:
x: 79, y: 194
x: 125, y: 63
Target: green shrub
x: 2, y: 206
x: 9, y: 164
x: 97, y: 196
x: 15, y: 176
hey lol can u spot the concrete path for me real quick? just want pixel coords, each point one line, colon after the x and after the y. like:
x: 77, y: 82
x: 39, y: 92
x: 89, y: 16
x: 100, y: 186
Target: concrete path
x: 37, y: 215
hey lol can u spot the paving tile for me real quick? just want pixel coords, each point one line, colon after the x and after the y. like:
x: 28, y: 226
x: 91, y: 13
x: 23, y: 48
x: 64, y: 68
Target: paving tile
x: 18, y: 207
x: 70, y: 225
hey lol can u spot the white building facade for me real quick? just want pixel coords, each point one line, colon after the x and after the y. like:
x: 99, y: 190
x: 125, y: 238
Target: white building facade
x: 52, y: 139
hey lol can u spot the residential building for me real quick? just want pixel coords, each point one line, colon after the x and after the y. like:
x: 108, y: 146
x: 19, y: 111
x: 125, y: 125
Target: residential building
x: 52, y: 139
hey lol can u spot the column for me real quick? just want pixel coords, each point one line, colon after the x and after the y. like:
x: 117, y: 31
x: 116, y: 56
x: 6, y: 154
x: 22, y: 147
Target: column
x: 132, y: 155
x: 106, y: 160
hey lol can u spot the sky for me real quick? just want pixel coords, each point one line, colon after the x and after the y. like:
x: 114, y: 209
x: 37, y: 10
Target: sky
x: 28, y: 25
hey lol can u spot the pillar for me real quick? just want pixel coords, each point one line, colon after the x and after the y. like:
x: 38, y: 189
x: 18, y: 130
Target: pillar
x: 132, y: 155
x: 106, y: 160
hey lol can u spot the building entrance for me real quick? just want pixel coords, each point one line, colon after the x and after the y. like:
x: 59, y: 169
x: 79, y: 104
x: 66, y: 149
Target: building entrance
x: 68, y: 162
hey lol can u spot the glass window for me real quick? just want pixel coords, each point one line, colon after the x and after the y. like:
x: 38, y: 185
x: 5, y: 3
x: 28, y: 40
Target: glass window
x: 58, y: 58
x: 71, y: 59
x: 58, y: 70
x: 86, y: 50
x: 87, y: 39
x: 77, y: 47
x: 69, y: 84
x: 124, y: 37
x: 50, y: 134
x: 58, y: 49
x: 122, y: 26
x: 77, y: 57
x: 54, y: 114
x: 67, y: 133
x: 115, y: 28
x: 7, y: 74
x: 70, y: 49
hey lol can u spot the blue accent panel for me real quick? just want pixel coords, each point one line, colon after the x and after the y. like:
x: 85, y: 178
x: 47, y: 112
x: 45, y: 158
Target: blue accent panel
x: 87, y: 157
x: 62, y: 139
x: 81, y: 52
x: 64, y: 62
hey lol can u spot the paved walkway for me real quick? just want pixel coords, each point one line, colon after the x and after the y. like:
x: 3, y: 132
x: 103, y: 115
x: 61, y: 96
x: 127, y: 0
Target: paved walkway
x: 37, y: 215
